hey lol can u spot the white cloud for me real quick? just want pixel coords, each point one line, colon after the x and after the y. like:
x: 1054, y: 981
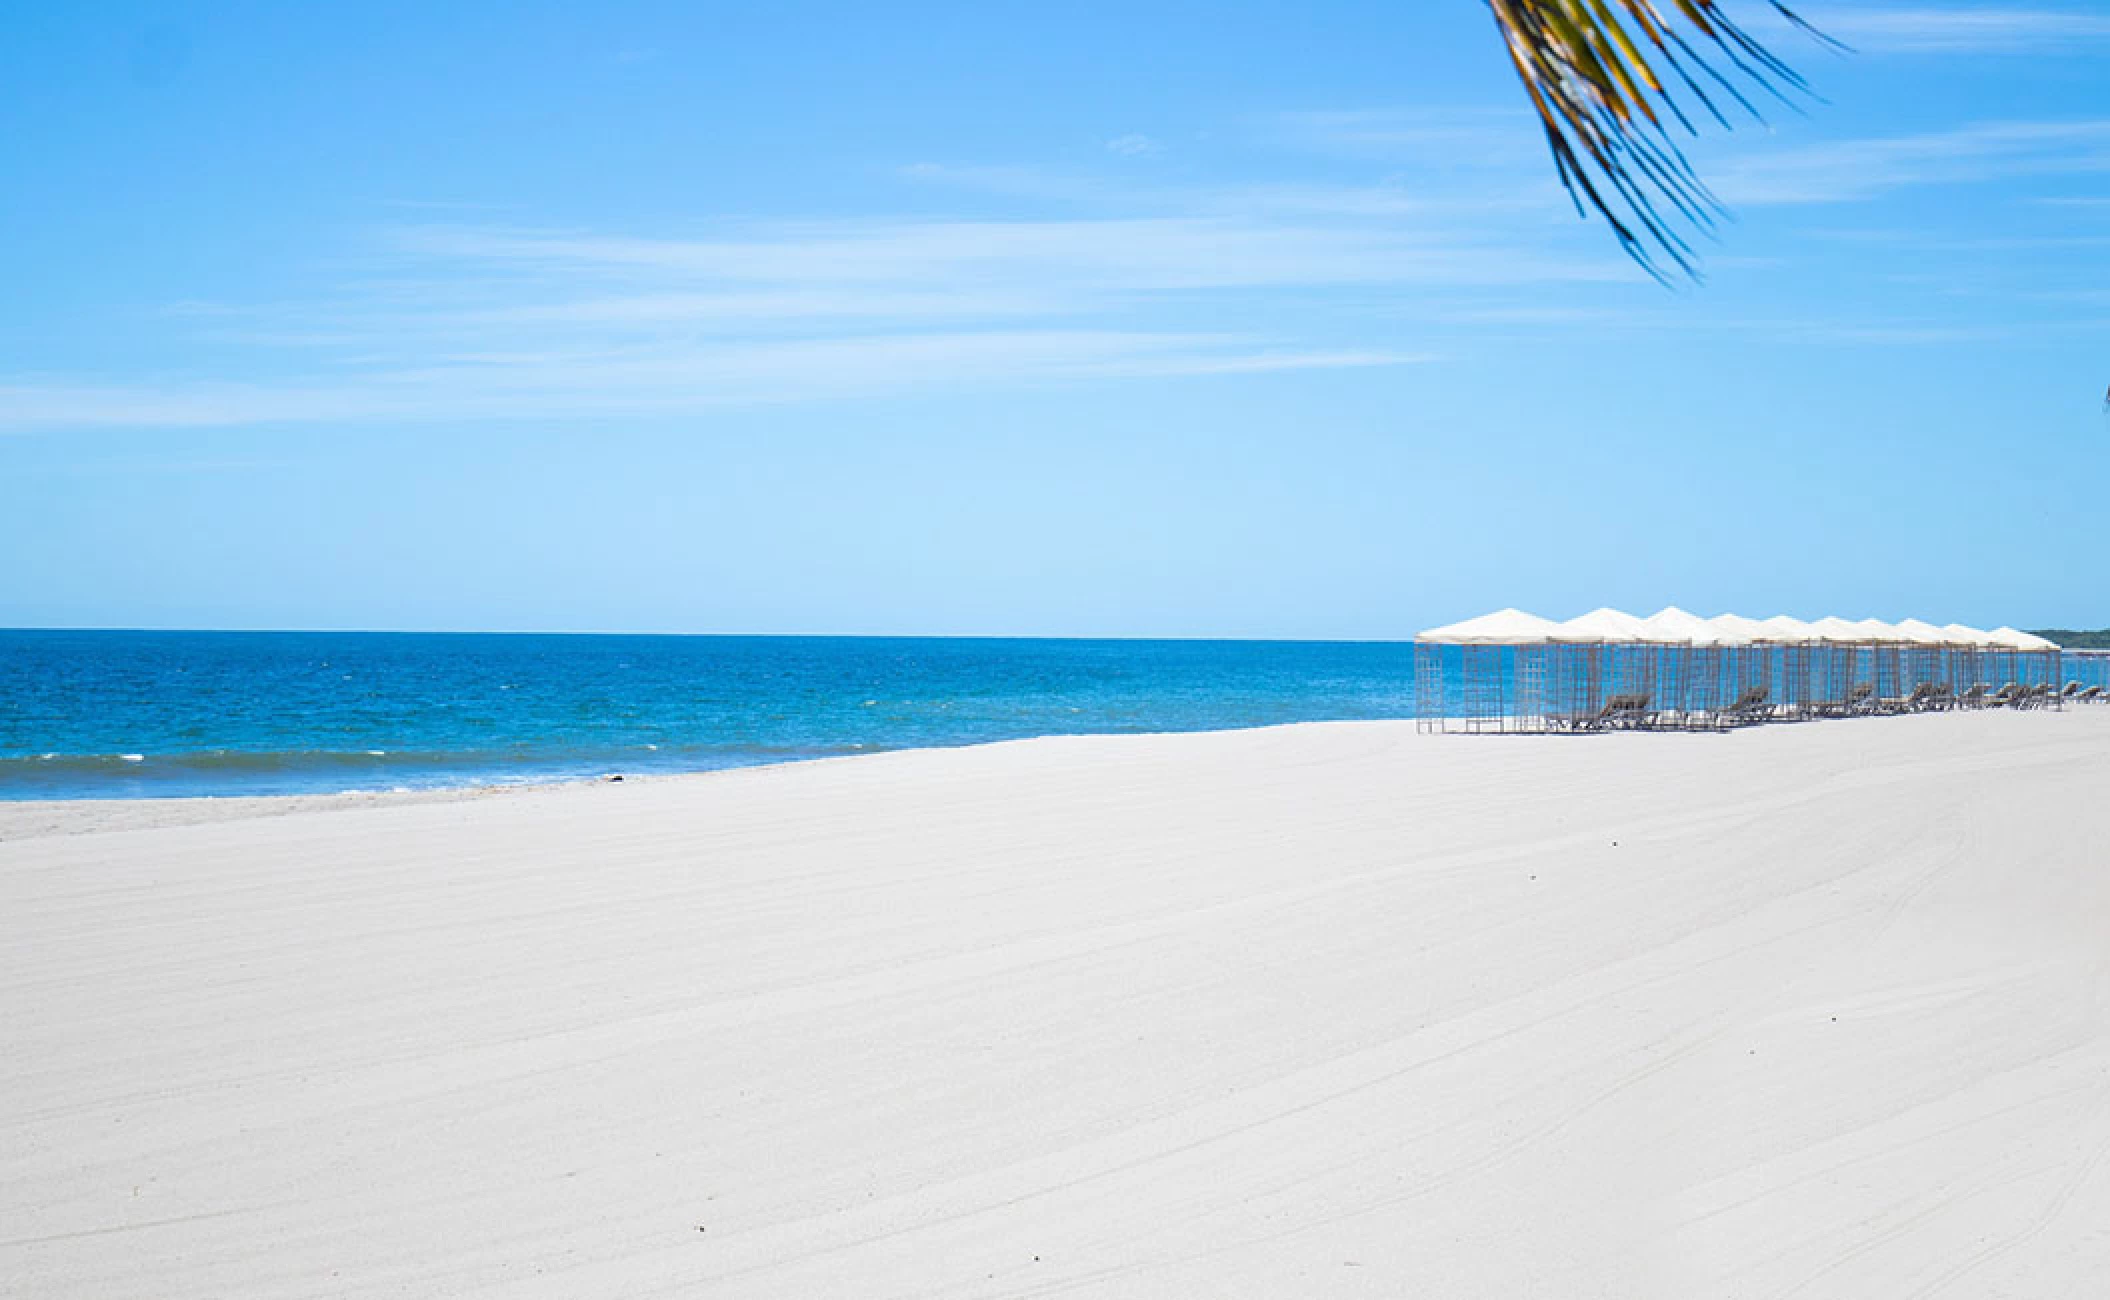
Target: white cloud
x: 485, y: 323
x: 1865, y: 169
x: 1977, y: 30
x: 1133, y: 145
x: 1475, y: 138
x: 672, y: 380
x: 1904, y: 335
x: 1392, y: 197
x: 1125, y: 280
x: 1109, y: 256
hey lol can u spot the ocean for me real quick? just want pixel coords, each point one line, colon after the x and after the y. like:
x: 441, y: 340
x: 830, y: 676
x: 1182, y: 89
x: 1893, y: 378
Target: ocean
x: 139, y: 714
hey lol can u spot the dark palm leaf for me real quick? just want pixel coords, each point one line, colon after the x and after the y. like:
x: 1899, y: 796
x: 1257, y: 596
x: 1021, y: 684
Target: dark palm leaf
x: 1595, y: 71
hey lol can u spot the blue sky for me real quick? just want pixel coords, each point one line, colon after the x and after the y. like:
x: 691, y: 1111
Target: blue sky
x: 1177, y: 319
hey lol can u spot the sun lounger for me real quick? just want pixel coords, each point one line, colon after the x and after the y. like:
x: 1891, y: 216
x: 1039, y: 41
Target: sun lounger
x: 1626, y: 711
x: 1923, y: 696
x: 1860, y: 698
x: 1630, y: 710
x: 1751, y: 706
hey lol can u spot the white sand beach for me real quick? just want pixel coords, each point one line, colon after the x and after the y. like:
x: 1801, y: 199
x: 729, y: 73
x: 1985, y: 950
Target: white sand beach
x: 1325, y: 1010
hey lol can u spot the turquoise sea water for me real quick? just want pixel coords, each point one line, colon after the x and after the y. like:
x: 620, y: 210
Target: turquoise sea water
x: 117, y: 714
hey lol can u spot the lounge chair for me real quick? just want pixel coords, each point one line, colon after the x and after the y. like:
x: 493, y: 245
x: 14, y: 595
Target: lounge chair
x: 2008, y: 695
x: 1630, y: 710
x: 1751, y: 706
x: 2090, y: 694
x: 1858, y: 699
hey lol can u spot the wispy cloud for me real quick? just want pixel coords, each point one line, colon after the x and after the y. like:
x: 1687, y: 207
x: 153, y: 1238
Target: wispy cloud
x: 1529, y: 318
x: 1387, y: 198
x: 1133, y: 146
x: 1476, y: 139
x: 1903, y: 335
x: 1086, y: 278
x: 670, y: 380
x: 1110, y: 256
x: 473, y: 322
x: 1973, y: 30
x: 1865, y: 169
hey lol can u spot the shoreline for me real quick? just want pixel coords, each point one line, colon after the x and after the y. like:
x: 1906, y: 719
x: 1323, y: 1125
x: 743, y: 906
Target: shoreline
x: 19, y: 817
x: 167, y: 809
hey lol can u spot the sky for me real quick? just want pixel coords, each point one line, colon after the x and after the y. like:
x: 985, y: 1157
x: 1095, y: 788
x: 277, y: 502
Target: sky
x: 1174, y: 319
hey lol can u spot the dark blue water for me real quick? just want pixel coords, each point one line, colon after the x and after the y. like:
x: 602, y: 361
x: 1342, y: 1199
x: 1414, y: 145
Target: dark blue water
x: 117, y: 714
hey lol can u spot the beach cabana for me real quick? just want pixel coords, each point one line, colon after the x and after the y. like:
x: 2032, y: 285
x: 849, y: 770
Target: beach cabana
x: 2010, y: 669
x: 1836, y: 680
x: 1790, y: 649
x: 1883, y: 661
x: 1688, y: 664
x: 1486, y: 673
x: 1602, y: 673
x: 2029, y: 662
x: 1745, y: 680
x: 1926, y: 660
x: 2049, y: 661
x: 1971, y: 663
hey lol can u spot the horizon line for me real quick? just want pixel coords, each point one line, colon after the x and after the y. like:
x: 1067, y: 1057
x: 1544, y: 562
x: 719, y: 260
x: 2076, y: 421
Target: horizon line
x: 1406, y: 639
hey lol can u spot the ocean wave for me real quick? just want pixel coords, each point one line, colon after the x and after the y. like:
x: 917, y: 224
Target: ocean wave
x: 213, y: 760
x: 236, y: 771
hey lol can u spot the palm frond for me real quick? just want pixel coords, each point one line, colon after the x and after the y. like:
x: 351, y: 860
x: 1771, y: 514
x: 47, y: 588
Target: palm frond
x: 1595, y: 70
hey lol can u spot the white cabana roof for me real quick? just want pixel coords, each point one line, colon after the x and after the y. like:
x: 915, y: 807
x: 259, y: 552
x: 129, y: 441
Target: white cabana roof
x: 1734, y: 629
x: 1605, y: 625
x: 1837, y: 631
x: 2007, y: 638
x: 1782, y: 629
x: 1673, y: 626
x: 1876, y: 630
x: 1503, y: 627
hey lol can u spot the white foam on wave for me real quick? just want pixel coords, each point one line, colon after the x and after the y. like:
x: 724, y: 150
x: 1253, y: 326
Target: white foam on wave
x: 133, y: 758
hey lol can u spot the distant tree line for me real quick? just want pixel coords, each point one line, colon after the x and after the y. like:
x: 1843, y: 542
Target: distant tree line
x: 2069, y: 639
